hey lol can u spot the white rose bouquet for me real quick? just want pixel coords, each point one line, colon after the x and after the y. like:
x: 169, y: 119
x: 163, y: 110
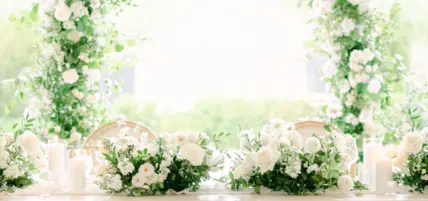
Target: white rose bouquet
x: 18, y: 151
x: 177, y: 162
x: 412, y: 161
x: 280, y: 159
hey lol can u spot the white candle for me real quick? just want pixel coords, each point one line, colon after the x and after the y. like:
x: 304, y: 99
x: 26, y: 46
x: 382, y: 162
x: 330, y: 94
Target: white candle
x: 76, y: 174
x: 371, y: 155
x: 57, y: 156
x: 383, y: 175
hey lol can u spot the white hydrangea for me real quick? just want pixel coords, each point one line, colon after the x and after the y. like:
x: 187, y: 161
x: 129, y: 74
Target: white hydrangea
x: 13, y: 171
x: 345, y: 183
x: 78, y: 9
x: 4, y: 159
x: 347, y: 26
x: 125, y: 166
x: 294, y: 168
x: 115, y: 183
x: 312, y: 145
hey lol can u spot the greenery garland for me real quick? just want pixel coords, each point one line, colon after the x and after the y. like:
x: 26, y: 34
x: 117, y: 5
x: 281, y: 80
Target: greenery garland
x: 360, y: 69
x: 65, y: 86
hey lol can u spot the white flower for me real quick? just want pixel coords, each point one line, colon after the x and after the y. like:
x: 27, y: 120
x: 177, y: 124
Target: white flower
x: 13, y: 171
x: 75, y: 137
x: 329, y: 68
x: 344, y: 87
x: 312, y: 168
x: 334, y: 110
x: 355, y: 2
x: 425, y: 177
x: 374, y: 86
x: 238, y: 172
x: 400, y: 162
x: 138, y: 181
x: 84, y: 57
x: 366, y: 115
x: 115, y: 183
x: 34, y: 106
x: 265, y: 159
x: 76, y: 93
x: 69, y: 25
x: 345, y: 183
x: 412, y: 142
x: 96, y: 15
x: 193, y: 153
x: 424, y: 133
x: 70, y: 76
x: 151, y: 148
x: 364, y: 6
x: 29, y: 142
x: 94, y: 97
x: 95, y: 3
x: 74, y: 36
x: 4, y: 159
x: 78, y: 9
x: 192, y: 137
x: 347, y: 26
x: 352, y: 119
x: 294, y: 169
x: 180, y: 138
x: 350, y: 98
x: 125, y: 167
x: 362, y: 77
x: 146, y: 170
x: 323, y: 7
x: 57, y: 129
x: 94, y: 75
x: 62, y: 13
x: 295, y: 138
x: 312, y: 145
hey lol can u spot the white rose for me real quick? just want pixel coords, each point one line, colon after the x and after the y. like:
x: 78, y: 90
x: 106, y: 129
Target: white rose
x: 424, y: 133
x: 95, y: 3
x: 138, y: 181
x: 265, y: 159
x: 366, y: 115
x: 329, y: 68
x: 193, y: 153
x: 75, y: 137
x: 146, y: 170
x: 84, y: 57
x: 70, y: 76
x: 345, y: 183
x: 74, y: 36
x: 374, y: 86
x: 352, y: 119
x: 347, y: 26
x: 78, y: 9
x: 192, y: 137
x: 295, y: 138
x: 312, y: 145
x: 29, y: 142
x: 265, y: 139
x: 62, y: 13
x: 334, y: 111
x: 355, y: 2
x: 94, y: 75
x: 125, y: 167
x: 412, y: 142
x: 76, y: 93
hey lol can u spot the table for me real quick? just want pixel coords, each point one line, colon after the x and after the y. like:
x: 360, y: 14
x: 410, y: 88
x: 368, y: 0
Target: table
x: 412, y: 197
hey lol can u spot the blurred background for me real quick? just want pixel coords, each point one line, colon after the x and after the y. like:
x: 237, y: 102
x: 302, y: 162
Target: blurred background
x: 215, y: 65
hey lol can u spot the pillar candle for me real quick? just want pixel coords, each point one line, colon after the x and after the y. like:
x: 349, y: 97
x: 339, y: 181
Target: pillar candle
x: 56, y: 157
x: 76, y: 174
x: 383, y: 174
x: 371, y: 154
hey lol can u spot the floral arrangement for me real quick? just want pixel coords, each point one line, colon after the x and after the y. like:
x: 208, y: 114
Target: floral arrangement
x: 412, y: 158
x: 18, y: 155
x: 280, y: 159
x: 360, y: 68
x: 173, y: 162
x: 64, y: 89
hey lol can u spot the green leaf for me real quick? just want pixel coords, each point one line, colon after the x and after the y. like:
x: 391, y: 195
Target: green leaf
x: 119, y: 47
x: 34, y: 15
x: 257, y: 189
x: 6, y: 110
x: 131, y: 43
x: 327, y: 128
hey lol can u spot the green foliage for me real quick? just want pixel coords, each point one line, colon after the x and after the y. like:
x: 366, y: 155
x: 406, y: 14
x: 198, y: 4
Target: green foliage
x: 213, y: 115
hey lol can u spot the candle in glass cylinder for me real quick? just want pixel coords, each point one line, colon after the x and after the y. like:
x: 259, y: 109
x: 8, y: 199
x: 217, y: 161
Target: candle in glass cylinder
x: 57, y: 156
x: 372, y: 149
x: 383, y: 174
x: 76, y: 174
